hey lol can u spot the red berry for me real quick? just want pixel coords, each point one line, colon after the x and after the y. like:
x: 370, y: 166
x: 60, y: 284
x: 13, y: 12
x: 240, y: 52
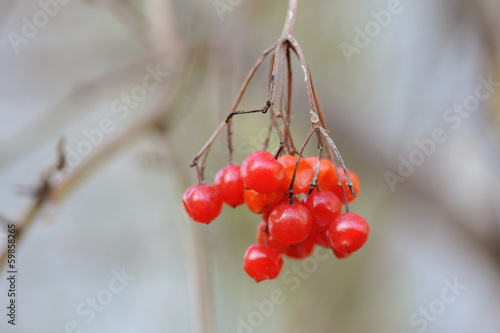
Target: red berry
x: 267, y: 212
x: 262, y: 262
x: 203, y: 202
x: 262, y: 203
x: 290, y: 224
x: 321, y: 238
x: 326, y: 174
x: 337, y: 190
x: 262, y: 173
x: 340, y: 255
x: 228, y: 181
x: 265, y: 215
x: 303, y: 176
x: 303, y: 249
x: 261, y: 237
x: 324, y: 207
x: 348, y: 233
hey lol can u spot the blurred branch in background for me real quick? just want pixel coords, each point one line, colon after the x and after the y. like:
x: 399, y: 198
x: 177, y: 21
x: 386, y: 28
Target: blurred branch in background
x: 171, y: 50
x: 442, y: 222
x: 159, y: 25
x: 67, y: 110
x: 49, y: 191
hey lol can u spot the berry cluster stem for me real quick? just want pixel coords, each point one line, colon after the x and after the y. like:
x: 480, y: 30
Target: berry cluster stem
x: 306, y: 141
x: 316, y: 119
x: 314, y: 182
x: 287, y: 30
x: 285, y: 42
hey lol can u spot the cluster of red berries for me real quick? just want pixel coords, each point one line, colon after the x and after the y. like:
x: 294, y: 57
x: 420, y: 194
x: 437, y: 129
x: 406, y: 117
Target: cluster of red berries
x: 290, y: 225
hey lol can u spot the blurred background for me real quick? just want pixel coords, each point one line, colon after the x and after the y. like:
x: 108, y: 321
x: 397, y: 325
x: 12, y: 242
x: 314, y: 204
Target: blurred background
x: 411, y: 98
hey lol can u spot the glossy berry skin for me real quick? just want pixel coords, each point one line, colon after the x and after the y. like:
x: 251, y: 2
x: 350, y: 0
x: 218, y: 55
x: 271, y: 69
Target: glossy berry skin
x: 262, y: 262
x: 326, y: 174
x: 303, y: 249
x: 340, y: 255
x: 348, y: 233
x: 265, y: 214
x: 324, y: 207
x: 321, y: 238
x: 262, y: 173
x: 303, y: 176
x: 259, y: 203
x: 337, y: 190
x: 230, y: 185
x: 290, y: 224
x: 261, y: 237
x: 202, y: 202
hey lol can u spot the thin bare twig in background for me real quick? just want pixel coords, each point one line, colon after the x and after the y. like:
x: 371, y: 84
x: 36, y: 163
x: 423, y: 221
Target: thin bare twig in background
x: 48, y: 191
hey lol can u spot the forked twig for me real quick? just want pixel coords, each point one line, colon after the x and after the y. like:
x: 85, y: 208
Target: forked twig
x: 315, y: 119
x: 286, y: 42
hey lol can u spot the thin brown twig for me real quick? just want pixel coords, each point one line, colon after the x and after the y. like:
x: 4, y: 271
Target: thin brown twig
x: 306, y: 141
x: 199, y: 174
x: 268, y: 135
x: 286, y: 32
x: 288, y: 113
x: 288, y: 106
x: 280, y: 113
x: 235, y: 105
x: 282, y: 85
x: 262, y: 110
x: 250, y: 76
x: 280, y: 134
x: 321, y: 117
x: 314, y: 181
x: 272, y: 92
x: 239, y: 96
x: 289, y: 85
x: 329, y: 147
x: 229, y: 141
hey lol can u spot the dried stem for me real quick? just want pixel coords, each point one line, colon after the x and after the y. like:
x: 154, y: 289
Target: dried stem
x: 286, y: 41
x: 315, y: 119
x: 287, y: 31
x: 241, y: 92
x: 262, y: 110
x: 229, y: 141
x: 272, y: 92
x: 280, y: 113
x: 329, y: 147
x: 314, y: 181
x: 199, y: 174
x: 306, y: 141
x: 243, y: 88
x: 321, y: 118
x: 344, y: 195
x: 288, y: 112
x: 289, y: 85
x: 268, y: 135
x: 339, y: 157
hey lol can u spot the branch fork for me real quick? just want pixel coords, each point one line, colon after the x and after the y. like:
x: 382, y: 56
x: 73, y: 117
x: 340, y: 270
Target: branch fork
x: 287, y: 42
